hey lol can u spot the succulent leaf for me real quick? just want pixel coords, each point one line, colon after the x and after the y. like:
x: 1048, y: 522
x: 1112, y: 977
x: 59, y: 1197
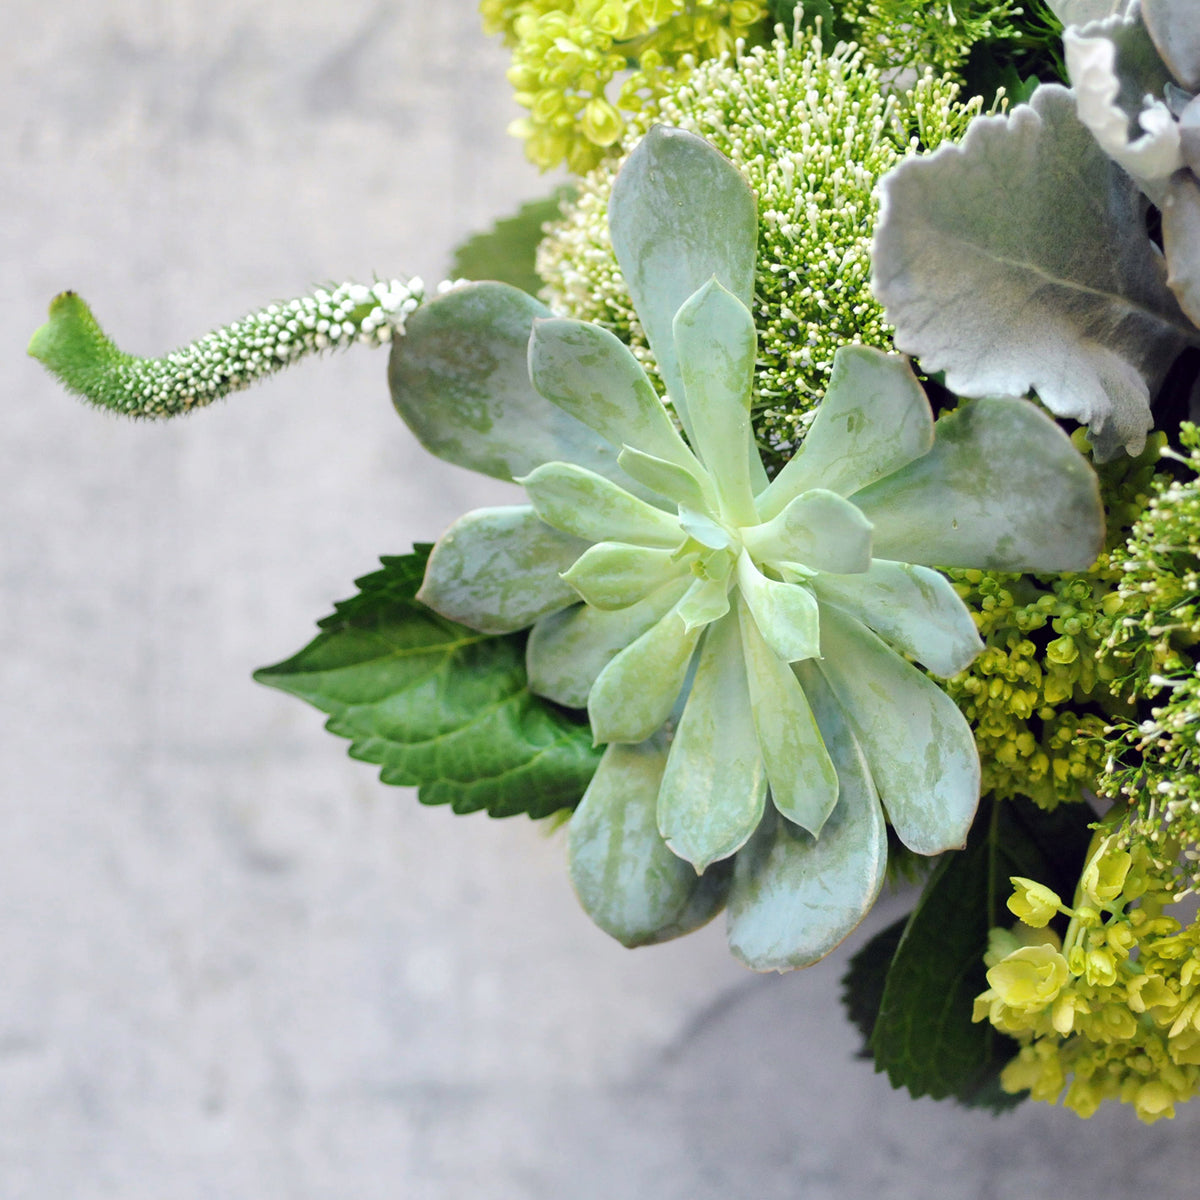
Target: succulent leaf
x: 785, y: 613
x: 919, y: 746
x: 912, y: 608
x: 716, y: 345
x: 795, y: 897
x: 460, y: 380
x: 715, y: 783
x: 818, y: 529
x: 637, y: 690
x: 687, y: 487
x: 568, y: 650
x: 803, y: 779
x: 874, y: 419
x: 626, y: 879
x: 580, y: 502
x: 1002, y: 489
x: 615, y: 575
x: 664, y: 259
x: 591, y: 374
x: 499, y: 570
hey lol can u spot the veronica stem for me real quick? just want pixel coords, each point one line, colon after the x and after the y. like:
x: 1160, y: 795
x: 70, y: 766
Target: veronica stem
x: 74, y: 348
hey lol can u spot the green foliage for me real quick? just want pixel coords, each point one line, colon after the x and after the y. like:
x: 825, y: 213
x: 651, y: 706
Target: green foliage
x: 986, y: 42
x: 865, y: 979
x: 507, y: 251
x: 436, y: 705
x: 922, y: 1035
x: 72, y: 346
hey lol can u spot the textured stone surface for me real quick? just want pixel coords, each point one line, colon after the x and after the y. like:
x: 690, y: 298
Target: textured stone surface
x: 234, y: 964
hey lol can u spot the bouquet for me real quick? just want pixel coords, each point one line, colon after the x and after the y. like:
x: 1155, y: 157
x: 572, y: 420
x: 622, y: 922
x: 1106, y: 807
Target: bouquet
x: 849, y: 383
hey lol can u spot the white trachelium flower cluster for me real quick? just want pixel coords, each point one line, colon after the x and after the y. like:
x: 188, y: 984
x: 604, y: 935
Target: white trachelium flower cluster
x: 812, y: 132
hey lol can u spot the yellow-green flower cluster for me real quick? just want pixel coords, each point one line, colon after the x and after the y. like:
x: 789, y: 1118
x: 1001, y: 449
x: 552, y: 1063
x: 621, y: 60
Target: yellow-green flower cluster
x: 1154, y: 764
x: 1039, y: 695
x: 1113, y: 1010
x: 812, y: 132
x: 566, y: 53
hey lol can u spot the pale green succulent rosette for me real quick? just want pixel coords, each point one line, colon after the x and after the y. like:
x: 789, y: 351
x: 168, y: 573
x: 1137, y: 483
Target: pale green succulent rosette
x: 743, y: 647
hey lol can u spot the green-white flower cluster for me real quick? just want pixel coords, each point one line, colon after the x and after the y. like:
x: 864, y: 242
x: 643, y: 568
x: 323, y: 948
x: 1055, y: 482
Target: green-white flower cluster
x: 812, y: 131
x: 1154, y: 764
x: 732, y: 638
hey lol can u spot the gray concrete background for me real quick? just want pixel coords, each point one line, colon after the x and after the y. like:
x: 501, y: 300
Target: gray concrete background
x: 234, y: 964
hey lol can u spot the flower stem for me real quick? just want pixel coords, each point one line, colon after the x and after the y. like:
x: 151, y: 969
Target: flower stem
x: 74, y: 348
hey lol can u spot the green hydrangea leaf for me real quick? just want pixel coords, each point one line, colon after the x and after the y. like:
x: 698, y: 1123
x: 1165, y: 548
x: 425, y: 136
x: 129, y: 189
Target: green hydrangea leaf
x: 626, y: 879
x: 436, y: 705
x: 665, y: 259
x: 1018, y: 259
x: 923, y: 1036
x: 460, y: 380
x: 1003, y: 489
x: 865, y: 979
x: 507, y: 251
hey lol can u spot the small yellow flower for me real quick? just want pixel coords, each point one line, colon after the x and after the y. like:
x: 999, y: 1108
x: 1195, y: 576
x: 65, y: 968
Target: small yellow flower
x: 1029, y: 979
x: 1033, y: 902
x: 1104, y: 876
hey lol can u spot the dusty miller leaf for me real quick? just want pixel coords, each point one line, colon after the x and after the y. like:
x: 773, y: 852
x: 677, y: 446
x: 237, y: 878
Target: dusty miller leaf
x: 1018, y: 259
x: 437, y: 705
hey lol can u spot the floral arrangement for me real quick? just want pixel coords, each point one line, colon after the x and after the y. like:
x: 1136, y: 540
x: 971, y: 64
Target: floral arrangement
x: 849, y: 384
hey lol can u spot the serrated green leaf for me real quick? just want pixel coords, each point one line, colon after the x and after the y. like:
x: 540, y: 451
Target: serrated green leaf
x: 865, y: 979
x: 436, y: 705
x: 924, y: 1038
x: 508, y: 250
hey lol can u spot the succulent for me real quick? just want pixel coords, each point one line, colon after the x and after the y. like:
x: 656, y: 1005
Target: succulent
x: 742, y: 645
